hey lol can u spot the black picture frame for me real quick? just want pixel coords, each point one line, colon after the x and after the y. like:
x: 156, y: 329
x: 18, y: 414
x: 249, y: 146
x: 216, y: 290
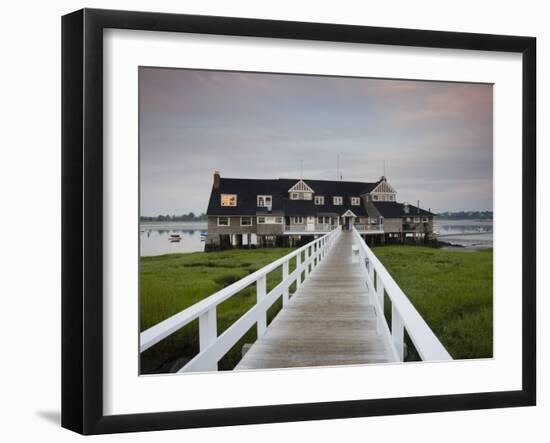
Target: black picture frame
x: 82, y: 218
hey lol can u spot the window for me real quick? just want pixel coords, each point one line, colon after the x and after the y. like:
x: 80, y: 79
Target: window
x: 355, y: 201
x: 246, y: 221
x: 223, y: 221
x: 264, y: 201
x: 320, y: 220
x: 425, y: 220
x: 307, y: 195
x: 337, y: 200
x: 417, y: 219
x: 319, y: 200
x: 294, y: 196
x: 298, y: 220
x: 374, y: 221
x: 270, y: 220
x: 375, y: 197
x: 408, y: 219
x: 392, y: 197
x: 229, y: 199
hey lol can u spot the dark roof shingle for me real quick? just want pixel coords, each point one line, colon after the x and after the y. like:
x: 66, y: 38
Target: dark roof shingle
x: 247, y: 191
x: 396, y: 210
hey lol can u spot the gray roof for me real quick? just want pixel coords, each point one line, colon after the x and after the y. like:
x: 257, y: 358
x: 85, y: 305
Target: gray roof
x: 248, y: 189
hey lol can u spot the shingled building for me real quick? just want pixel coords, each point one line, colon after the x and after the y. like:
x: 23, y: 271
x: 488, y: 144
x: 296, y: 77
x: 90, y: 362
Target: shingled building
x: 258, y: 212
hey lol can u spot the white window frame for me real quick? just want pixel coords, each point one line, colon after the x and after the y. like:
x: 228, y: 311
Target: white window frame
x: 228, y: 221
x: 228, y: 195
x: 425, y: 220
x: 355, y: 201
x: 319, y: 200
x: 270, y: 219
x: 296, y: 218
x: 337, y: 200
x: 375, y: 198
x: 294, y: 196
x: 416, y: 219
x: 265, y: 198
x: 248, y: 217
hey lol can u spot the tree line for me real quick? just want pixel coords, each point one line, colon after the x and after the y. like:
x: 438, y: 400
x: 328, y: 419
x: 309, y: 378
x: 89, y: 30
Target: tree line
x: 167, y: 217
x: 466, y: 215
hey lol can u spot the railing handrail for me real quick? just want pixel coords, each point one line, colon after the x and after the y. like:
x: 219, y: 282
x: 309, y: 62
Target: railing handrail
x: 163, y: 329
x: 318, y: 227
x: 425, y: 341
x: 369, y: 226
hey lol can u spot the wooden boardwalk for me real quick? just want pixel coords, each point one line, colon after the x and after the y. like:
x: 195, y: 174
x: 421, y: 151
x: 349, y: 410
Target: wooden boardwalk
x: 329, y: 320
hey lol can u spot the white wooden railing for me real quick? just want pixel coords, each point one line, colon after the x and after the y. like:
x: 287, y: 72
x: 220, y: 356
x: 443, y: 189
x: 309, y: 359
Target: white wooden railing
x: 318, y: 227
x: 404, y: 316
x: 213, y: 347
x: 368, y: 227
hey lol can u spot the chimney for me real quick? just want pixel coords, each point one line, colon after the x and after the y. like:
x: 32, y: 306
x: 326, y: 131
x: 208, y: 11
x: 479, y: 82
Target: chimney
x: 216, y: 179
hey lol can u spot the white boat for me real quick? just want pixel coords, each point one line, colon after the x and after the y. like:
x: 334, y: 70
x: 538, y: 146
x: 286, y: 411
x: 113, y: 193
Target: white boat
x: 174, y: 238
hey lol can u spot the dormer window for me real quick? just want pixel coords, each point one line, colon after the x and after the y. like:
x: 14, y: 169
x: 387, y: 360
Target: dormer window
x: 375, y: 198
x: 229, y: 199
x: 264, y: 201
x: 301, y: 191
x: 319, y: 200
x: 337, y: 201
x: 355, y: 201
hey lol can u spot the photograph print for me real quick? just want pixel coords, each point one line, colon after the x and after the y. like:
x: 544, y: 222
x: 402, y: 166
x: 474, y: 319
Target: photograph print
x: 295, y: 221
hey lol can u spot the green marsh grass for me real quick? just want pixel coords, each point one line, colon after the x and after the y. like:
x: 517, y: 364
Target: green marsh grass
x: 451, y: 289
x: 173, y: 282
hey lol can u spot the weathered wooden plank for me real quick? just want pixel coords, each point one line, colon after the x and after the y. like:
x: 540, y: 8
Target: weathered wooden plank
x: 328, y: 321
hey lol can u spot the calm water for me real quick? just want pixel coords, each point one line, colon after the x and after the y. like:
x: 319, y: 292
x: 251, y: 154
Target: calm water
x: 154, y: 237
x: 469, y: 233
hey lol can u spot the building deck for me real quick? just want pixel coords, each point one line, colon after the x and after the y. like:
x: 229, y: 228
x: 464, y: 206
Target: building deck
x: 328, y: 321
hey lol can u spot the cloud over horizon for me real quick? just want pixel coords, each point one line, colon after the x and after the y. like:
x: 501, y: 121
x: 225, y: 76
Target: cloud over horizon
x: 435, y: 138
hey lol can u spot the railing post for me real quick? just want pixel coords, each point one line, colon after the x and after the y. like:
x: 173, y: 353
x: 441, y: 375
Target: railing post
x: 299, y: 269
x: 306, y: 261
x: 398, y: 332
x: 208, y: 332
x: 285, y: 278
x: 380, y: 296
x: 260, y: 294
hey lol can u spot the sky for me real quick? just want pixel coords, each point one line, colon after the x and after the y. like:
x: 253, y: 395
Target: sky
x: 433, y: 140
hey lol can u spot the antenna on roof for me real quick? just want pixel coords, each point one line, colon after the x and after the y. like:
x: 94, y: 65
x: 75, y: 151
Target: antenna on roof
x: 384, y: 169
x: 337, y: 166
x: 301, y: 169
